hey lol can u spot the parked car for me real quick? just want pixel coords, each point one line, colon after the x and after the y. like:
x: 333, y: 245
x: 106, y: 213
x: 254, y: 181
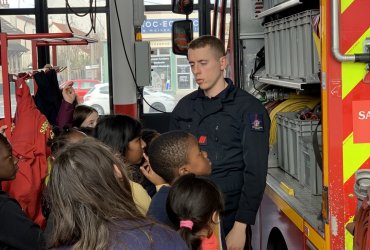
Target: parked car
x: 158, y: 100
x: 98, y: 98
x: 81, y: 86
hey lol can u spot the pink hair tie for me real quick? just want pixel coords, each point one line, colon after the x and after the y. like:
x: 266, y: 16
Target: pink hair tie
x: 186, y: 224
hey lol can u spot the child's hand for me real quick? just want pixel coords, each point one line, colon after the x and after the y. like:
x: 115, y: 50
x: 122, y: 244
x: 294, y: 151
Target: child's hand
x: 149, y: 173
x: 69, y: 94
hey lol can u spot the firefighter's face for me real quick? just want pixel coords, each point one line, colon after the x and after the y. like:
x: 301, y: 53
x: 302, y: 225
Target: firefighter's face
x: 207, y: 67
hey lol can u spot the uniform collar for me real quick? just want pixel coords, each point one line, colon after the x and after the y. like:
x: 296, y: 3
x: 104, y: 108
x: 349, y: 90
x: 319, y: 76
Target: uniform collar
x: 223, y: 94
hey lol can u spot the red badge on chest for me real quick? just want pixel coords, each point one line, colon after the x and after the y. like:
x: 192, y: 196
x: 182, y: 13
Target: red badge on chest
x: 202, y: 140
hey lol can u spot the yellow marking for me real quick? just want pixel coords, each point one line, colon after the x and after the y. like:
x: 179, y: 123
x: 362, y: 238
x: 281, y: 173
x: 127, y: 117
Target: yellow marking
x: 285, y: 208
x: 348, y: 236
x: 138, y: 36
x: 314, y: 237
x: 354, y: 155
x: 345, y: 4
x: 353, y: 73
x: 44, y: 127
x: 327, y: 236
x: 288, y: 190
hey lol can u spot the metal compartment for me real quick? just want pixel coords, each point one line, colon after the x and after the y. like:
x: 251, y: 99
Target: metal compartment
x: 290, y: 50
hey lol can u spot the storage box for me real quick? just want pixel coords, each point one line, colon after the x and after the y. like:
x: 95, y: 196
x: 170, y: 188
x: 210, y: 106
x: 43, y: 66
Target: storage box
x: 290, y: 50
x: 311, y: 174
x: 290, y: 131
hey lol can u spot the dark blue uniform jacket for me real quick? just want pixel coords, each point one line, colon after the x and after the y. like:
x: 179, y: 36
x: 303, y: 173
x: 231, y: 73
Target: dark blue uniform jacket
x: 233, y: 128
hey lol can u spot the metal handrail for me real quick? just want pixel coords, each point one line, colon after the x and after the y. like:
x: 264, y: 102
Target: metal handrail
x: 363, y: 57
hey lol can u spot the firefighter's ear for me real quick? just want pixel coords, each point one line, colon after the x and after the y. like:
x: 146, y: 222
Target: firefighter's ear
x: 223, y: 62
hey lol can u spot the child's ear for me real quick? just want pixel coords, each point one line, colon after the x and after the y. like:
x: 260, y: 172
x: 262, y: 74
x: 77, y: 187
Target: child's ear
x: 117, y: 171
x: 183, y: 170
x: 215, y: 217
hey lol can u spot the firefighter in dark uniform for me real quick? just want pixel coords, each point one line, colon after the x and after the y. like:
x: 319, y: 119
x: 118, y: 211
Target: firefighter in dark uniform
x: 233, y: 127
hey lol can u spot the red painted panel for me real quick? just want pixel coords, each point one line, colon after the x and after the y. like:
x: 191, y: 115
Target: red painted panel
x: 126, y: 109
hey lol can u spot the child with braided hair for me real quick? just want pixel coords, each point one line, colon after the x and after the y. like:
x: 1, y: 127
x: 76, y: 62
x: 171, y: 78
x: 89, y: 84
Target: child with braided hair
x: 194, y: 205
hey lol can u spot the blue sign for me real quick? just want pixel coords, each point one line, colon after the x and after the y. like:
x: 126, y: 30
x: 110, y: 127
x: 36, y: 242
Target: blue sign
x: 163, y: 25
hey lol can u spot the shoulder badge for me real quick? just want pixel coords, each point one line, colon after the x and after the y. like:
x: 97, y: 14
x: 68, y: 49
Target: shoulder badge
x: 256, y: 122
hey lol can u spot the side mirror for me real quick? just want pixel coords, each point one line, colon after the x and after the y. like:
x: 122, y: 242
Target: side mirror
x: 184, y: 7
x: 182, y: 34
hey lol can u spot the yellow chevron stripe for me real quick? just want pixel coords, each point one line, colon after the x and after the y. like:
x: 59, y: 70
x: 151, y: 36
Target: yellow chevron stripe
x: 354, y: 155
x: 345, y: 4
x: 353, y: 73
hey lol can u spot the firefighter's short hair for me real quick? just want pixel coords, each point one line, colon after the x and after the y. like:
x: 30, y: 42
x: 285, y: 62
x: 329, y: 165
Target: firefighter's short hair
x: 207, y: 40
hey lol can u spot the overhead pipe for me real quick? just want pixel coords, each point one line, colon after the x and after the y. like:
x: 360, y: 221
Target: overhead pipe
x: 364, y: 57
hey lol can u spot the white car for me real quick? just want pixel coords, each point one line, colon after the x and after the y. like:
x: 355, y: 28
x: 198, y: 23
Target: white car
x: 157, y: 101
x: 98, y: 98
